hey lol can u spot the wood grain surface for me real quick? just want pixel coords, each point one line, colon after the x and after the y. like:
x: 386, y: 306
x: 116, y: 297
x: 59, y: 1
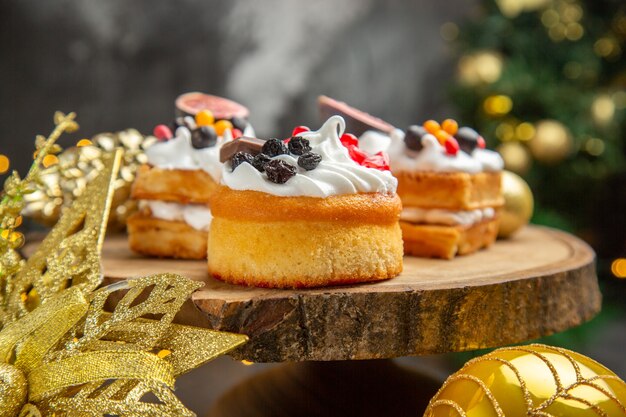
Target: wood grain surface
x: 539, y: 282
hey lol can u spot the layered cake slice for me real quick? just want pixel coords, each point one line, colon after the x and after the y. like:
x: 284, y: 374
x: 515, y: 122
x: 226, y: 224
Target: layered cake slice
x: 177, y: 184
x: 450, y: 185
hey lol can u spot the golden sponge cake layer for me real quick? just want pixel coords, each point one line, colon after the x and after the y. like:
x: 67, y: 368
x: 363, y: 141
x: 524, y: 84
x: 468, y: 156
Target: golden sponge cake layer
x: 164, y: 238
x: 438, y: 241
x: 302, y: 253
x: 450, y: 190
x: 175, y: 185
x: 367, y: 208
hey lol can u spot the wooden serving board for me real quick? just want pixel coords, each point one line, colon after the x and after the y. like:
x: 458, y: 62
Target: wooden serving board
x: 539, y: 282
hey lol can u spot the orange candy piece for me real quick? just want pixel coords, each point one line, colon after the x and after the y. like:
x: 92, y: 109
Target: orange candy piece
x: 205, y: 118
x: 450, y: 126
x: 432, y: 126
x: 221, y: 126
x: 442, y: 136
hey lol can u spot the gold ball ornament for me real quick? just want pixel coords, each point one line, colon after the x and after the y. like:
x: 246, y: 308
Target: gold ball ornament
x: 518, y: 204
x: 482, y: 67
x: 515, y: 156
x: 552, y: 142
x: 531, y: 381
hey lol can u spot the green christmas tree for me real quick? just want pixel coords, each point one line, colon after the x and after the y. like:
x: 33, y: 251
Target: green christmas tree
x: 545, y: 83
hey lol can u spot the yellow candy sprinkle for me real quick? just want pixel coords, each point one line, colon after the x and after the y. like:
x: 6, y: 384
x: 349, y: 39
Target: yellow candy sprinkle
x: 5, y: 233
x: 23, y: 297
x: 50, y: 160
x: 4, y: 164
x: 247, y: 363
x: 221, y: 126
x: 205, y: 118
x: 84, y: 142
x: 163, y: 353
x: 442, y: 136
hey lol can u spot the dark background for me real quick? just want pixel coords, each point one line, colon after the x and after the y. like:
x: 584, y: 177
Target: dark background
x: 121, y: 63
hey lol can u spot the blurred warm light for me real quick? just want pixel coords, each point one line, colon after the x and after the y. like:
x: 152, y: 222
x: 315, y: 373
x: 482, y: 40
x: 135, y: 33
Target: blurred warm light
x: 618, y: 268
x: 4, y: 164
x: 574, y: 31
x: 505, y: 132
x: 603, y: 109
x: 525, y: 131
x: 516, y: 157
x: 247, y: 363
x: 498, y: 105
x: 594, y: 146
x: 607, y: 48
x: 480, y: 67
x: 50, y: 160
x: 449, y: 31
x: 84, y: 142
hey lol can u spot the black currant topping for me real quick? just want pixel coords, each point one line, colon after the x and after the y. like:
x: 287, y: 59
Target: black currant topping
x: 239, y: 123
x: 279, y: 171
x: 413, y: 137
x: 239, y: 158
x: 203, y: 137
x: 298, y: 145
x: 274, y: 147
x: 259, y: 161
x: 309, y: 160
x: 467, y: 138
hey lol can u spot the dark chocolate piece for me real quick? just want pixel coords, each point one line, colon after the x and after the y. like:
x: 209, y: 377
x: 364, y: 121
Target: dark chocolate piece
x: 413, y: 137
x: 243, y: 144
x: 467, y: 138
x: 203, y: 137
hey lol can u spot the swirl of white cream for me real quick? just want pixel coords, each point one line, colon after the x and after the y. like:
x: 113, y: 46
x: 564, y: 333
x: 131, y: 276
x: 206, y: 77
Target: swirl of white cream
x: 336, y: 174
x: 432, y: 157
x: 178, y: 153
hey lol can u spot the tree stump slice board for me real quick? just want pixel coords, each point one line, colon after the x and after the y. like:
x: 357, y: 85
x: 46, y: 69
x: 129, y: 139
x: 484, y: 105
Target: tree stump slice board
x: 537, y: 283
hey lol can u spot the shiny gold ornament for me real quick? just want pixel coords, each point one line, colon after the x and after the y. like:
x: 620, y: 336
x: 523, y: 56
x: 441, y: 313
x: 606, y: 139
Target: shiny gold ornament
x: 62, y: 183
x: 516, y: 157
x: 518, y: 204
x: 531, y: 381
x: 61, y: 353
x: 552, y: 142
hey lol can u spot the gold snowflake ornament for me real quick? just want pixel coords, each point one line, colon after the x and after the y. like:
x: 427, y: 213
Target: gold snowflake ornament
x: 62, y: 351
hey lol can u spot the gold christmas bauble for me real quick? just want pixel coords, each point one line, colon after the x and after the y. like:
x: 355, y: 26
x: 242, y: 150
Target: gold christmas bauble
x: 531, y: 381
x: 552, y: 142
x: 482, y: 67
x: 515, y: 156
x: 518, y: 204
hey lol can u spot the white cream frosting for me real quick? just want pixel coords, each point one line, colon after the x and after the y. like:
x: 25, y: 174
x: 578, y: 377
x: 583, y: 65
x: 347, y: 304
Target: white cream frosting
x: 432, y: 157
x: 490, y: 160
x: 446, y: 217
x: 336, y: 174
x: 197, y: 216
x: 178, y: 153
